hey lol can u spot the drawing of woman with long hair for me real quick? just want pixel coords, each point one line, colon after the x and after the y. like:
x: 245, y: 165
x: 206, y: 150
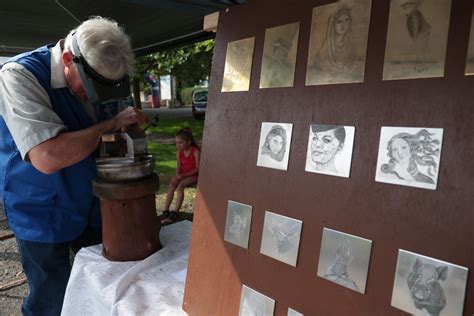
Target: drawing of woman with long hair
x: 275, y: 143
x: 337, y: 54
x: 408, y: 151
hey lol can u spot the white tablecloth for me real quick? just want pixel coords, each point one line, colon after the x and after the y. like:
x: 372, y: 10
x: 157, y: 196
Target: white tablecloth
x: 153, y: 286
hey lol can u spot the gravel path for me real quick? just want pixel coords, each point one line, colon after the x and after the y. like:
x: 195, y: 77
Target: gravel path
x: 10, y: 270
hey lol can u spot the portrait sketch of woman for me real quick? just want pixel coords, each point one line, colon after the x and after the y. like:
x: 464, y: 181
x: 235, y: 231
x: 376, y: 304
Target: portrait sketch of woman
x: 470, y: 51
x: 279, y: 56
x: 409, y: 156
x: 416, y: 39
x: 338, y: 42
x: 274, y: 148
x: 428, y: 286
x: 330, y: 149
x: 238, y: 65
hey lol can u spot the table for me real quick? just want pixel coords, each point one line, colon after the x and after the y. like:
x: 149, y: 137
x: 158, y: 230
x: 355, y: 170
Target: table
x: 153, y: 286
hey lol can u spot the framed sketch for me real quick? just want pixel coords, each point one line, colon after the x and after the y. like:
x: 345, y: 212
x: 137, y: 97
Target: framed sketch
x: 417, y: 39
x: 338, y: 42
x: 344, y: 259
x: 279, y: 56
x: 292, y: 312
x: 428, y: 286
x: 409, y: 156
x: 237, y: 225
x: 254, y: 303
x: 274, y: 147
x: 238, y: 65
x: 470, y: 51
x: 281, y: 238
x: 330, y: 149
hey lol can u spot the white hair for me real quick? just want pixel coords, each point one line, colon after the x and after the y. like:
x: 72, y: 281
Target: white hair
x: 105, y: 47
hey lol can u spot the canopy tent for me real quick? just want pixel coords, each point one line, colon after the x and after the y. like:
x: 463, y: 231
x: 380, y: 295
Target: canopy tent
x: 152, y: 24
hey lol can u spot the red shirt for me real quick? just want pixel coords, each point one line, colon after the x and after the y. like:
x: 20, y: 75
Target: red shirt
x: 187, y: 164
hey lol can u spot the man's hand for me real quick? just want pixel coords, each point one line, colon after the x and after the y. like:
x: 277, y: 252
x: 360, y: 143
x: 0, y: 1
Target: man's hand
x: 128, y: 117
x: 69, y: 148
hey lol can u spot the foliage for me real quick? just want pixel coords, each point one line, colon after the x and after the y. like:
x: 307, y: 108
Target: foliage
x: 165, y: 153
x: 186, y: 95
x: 190, y: 64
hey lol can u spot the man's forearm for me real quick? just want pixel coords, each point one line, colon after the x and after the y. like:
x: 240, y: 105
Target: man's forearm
x: 68, y: 148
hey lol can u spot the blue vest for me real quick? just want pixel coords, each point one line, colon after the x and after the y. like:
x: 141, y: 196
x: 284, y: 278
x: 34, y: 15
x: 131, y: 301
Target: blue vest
x: 48, y: 208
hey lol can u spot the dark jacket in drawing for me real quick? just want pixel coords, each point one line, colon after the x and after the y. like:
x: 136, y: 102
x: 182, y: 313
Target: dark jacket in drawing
x: 417, y: 26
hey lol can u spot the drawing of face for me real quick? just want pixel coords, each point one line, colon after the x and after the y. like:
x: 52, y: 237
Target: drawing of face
x: 276, y: 144
x: 341, y: 25
x: 401, y: 150
x: 324, y: 146
x: 238, y: 225
x: 425, y: 288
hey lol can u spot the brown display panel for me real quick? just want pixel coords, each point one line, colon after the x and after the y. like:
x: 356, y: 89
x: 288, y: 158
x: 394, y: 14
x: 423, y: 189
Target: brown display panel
x: 436, y: 223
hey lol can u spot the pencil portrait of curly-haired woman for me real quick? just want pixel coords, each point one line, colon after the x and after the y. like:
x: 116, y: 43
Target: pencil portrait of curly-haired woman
x: 410, y: 157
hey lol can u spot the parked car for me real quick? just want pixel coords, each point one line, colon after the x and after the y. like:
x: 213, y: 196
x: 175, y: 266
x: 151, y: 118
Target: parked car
x: 199, y: 103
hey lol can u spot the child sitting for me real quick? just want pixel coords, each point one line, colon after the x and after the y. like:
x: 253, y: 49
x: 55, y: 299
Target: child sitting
x: 187, y: 170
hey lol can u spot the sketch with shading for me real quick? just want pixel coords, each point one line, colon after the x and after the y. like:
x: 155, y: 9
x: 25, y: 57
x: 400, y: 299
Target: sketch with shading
x: 470, y: 52
x: 281, y: 237
x: 237, y: 226
x: 408, y: 152
x: 337, y: 271
x: 344, y: 259
x: 274, y: 145
x: 238, y: 65
x: 330, y: 149
x: 292, y: 312
x: 416, y: 39
x: 279, y: 56
x: 419, y: 30
x: 427, y: 286
x: 253, y: 303
x: 339, y: 56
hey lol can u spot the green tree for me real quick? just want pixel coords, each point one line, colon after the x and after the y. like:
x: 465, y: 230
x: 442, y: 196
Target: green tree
x: 190, y: 64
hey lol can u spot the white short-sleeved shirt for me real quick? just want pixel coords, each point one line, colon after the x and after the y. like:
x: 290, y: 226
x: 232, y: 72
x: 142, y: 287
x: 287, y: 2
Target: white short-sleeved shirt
x: 26, y: 107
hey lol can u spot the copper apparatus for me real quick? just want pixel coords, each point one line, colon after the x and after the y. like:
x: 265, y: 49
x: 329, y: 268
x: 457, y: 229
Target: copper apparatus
x: 126, y: 186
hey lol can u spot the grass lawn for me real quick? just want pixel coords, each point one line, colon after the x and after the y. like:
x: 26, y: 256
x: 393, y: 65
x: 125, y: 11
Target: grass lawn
x: 169, y: 127
x: 161, y: 143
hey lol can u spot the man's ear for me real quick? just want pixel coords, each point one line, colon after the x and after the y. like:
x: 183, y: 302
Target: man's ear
x: 67, y: 57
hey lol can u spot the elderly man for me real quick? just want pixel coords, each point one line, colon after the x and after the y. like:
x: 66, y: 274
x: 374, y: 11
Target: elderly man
x: 52, y: 119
